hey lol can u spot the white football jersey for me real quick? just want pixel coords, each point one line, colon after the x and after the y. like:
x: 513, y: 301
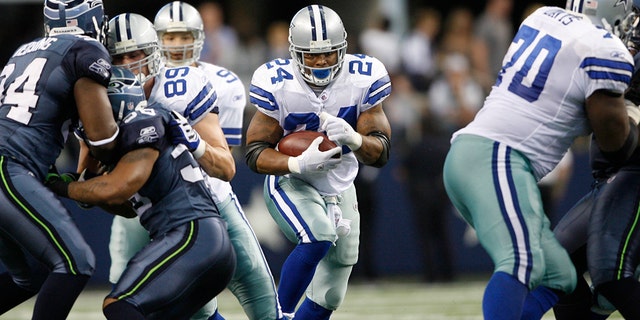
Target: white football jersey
x: 189, y: 91
x: 186, y: 90
x: 278, y: 91
x: 231, y: 102
x: 555, y: 62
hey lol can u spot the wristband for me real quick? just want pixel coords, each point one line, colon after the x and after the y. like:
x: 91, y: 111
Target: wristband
x: 294, y: 166
x: 200, y: 150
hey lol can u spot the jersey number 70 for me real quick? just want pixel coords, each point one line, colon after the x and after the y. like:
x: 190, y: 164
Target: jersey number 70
x: 528, y: 82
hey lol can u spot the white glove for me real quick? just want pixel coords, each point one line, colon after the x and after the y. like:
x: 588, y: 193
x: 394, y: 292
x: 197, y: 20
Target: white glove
x: 314, y: 160
x: 340, y: 131
x: 633, y: 111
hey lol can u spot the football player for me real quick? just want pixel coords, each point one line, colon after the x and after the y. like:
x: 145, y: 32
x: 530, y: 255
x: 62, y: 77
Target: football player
x: 181, y: 35
x: 600, y: 231
x: 48, y: 84
x: 181, y: 26
x: 564, y: 76
x: 190, y: 259
x: 312, y: 197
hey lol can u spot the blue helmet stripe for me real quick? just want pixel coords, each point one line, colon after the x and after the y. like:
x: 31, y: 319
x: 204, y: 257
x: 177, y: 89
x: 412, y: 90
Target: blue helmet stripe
x: 323, y: 23
x: 118, y: 38
x: 127, y: 27
x: 175, y: 12
x: 313, y: 23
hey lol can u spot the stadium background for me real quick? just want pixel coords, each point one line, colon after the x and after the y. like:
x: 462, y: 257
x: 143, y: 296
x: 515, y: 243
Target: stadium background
x: 396, y: 250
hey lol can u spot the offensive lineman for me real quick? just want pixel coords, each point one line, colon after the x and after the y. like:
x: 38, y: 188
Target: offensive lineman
x: 312, y: 197
x: 564, y: 76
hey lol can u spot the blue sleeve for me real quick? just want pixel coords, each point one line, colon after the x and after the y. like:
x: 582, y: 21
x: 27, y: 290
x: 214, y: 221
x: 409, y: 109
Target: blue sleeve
x: 89, y: 58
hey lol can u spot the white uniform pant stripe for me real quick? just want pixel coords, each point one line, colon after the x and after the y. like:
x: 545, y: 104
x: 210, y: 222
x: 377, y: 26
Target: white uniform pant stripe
x: 511, y: 212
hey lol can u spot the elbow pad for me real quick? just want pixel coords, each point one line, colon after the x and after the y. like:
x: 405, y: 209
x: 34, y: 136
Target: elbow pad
x: 621, y: 155
x: 253, y: 152
x: 386, y: 146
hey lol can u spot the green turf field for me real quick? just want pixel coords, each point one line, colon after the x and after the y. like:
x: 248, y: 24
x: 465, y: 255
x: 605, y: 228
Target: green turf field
x: 384, y: 300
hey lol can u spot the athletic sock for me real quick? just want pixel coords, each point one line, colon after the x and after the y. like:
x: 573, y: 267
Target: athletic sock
x: 57, y: 295
x: 216, y: 316
x: 503, y: 297
x: 624, y: 294
x: 122, y: 310
x: 310, y: 310
x: 11, y: 294
x: 538, y: 302
x: 297, y: 272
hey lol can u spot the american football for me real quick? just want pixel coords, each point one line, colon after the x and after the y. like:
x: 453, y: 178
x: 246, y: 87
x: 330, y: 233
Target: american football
x: 297, y: 142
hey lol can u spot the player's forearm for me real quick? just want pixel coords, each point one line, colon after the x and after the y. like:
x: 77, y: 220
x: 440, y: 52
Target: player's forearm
x: 99, y: 191
x: 218, y: 162
x: 370, y: 150
x: 272, y: 162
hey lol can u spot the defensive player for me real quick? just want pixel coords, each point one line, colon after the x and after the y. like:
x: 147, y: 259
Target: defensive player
x: 181, y: 35
x: 312, y: 197
x: 127, y: 237
x: 46, y: 85
x: 564, y: 76
x: 600, y: 231
x: 190, y: 259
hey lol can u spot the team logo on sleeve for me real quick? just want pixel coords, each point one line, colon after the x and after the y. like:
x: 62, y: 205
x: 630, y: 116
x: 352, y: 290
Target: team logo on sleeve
x: 101, y: 67
x: 147, y: 135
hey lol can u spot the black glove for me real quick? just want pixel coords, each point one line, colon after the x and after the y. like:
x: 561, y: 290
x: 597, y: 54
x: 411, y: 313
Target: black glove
x: 59, y: 182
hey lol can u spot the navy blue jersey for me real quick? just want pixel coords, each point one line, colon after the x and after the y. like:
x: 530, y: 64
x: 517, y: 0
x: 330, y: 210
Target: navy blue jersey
x: 37, y: 96
x: 175, y: 192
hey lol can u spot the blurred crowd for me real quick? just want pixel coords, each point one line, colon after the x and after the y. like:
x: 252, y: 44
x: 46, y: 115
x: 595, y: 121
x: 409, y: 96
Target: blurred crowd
x: 442, y: 67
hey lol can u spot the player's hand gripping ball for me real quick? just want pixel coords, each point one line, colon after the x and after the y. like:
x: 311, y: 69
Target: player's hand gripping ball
x: 297, y: 142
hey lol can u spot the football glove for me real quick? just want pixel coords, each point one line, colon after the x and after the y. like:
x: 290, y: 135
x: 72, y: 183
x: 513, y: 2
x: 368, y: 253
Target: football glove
x: 314, y: 160
x: 183, y: 133
x: 59, y: 182
x: 340, y: 131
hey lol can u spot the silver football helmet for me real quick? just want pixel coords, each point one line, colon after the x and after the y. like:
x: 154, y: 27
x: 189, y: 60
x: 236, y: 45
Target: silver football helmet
x: 179, y: 16
x: 129, y: 32
x: 75, y: 17
x: 608, y: 14
x: 317, y: 29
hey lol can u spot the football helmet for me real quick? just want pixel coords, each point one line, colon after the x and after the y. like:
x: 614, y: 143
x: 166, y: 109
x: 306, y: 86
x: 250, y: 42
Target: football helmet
x: 125, y: 93
x: 608, y: 14
x: 179, y: 16
x: 75, y: 17
x: 129, y: 32
x: 317, y: 29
